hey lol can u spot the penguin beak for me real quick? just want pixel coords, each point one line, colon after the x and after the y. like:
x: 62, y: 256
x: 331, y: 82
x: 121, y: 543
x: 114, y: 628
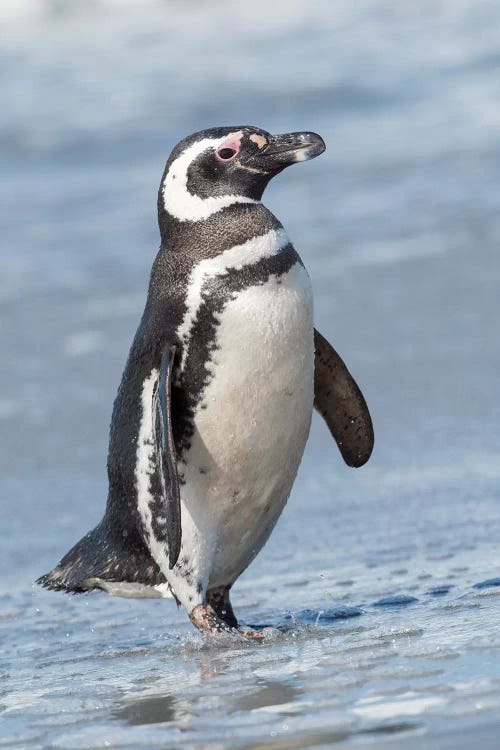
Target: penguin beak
x: 288, y: 148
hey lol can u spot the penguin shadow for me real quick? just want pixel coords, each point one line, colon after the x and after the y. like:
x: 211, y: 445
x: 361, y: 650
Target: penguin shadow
x: 164, y: 708
x: 153, y: 709
x: 265, y: 694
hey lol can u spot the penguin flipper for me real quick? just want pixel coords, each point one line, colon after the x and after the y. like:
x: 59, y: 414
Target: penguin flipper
x: 340, y: 402
x: 165, y: 451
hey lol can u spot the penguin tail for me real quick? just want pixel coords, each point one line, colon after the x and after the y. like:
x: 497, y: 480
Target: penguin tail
x: 104, y: 559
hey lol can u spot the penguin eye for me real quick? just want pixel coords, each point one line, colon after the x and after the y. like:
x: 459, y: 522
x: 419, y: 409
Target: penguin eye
x: 226, y: 154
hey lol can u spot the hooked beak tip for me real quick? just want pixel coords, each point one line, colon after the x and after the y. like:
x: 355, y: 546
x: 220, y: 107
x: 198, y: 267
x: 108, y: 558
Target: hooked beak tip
x: 313, y: 145
x: 290, y: 148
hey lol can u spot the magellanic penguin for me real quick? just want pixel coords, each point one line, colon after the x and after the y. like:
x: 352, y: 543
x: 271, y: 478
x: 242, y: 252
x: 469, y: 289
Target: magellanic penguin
x: 214, y: 407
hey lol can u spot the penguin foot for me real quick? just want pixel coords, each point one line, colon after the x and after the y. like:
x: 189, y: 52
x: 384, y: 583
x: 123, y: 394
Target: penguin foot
x: 205, y: 618
x: 218, y: 599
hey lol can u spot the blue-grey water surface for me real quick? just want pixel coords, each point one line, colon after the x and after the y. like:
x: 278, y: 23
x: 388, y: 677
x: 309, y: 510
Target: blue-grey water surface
x: 380, y: 588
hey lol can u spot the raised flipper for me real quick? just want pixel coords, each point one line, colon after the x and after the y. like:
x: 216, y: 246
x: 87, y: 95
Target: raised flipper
x: 166, y: 456
x: 341, y: 404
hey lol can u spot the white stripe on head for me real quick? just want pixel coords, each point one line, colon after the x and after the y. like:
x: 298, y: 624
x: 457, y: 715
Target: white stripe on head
x: 251, y: 251
x: 179, y: 202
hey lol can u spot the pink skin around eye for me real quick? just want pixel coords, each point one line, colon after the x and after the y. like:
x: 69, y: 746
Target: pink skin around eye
x: 234, y: 143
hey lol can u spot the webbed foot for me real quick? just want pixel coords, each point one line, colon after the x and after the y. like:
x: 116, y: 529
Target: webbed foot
x: 205, y: 618
x: 218, y: 599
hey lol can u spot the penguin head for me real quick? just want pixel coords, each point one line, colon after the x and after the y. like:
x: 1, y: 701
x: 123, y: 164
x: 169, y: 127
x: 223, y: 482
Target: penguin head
x: 215, y: 168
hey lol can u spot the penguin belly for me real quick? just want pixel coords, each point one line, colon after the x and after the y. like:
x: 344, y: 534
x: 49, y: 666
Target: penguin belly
x: 250, y: 427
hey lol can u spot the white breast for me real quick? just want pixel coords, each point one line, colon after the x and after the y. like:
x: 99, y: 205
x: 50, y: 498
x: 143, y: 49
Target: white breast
x: 251, y: 433
x: 234, y: 258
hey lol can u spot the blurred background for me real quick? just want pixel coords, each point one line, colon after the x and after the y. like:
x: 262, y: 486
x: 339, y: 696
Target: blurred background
x: 382, y: 580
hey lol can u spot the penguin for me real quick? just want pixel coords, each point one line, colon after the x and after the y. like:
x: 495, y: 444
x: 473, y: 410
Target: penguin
x: 215, y: 403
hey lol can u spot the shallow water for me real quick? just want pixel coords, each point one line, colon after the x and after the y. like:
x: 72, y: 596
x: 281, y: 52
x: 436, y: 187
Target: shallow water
x: 379, y: 591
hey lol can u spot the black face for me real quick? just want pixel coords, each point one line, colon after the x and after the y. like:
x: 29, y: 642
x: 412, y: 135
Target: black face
x: 242, y: 160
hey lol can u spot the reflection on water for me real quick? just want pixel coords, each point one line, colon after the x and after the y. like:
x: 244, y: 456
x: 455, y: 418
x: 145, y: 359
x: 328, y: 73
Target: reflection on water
x: 270, y: 694
x: 156, y: 709
x: 378, y: 592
